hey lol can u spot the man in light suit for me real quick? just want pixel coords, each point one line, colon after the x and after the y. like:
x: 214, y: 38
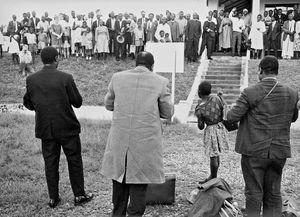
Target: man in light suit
x: 133, y: 157
x: 265, y: 111
x: 14, y: 26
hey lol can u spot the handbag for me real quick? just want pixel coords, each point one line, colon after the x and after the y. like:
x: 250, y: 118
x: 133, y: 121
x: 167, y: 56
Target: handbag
x: 162, y: 193
x: 229, y: 125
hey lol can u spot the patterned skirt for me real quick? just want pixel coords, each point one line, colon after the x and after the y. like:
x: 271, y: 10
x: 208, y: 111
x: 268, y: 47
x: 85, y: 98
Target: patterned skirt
x: 215, y: 140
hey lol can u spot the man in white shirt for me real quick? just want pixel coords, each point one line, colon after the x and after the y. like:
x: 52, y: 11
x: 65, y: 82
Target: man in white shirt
x: 237, y: 28
x: 163, y: 27
x: 43, y: 24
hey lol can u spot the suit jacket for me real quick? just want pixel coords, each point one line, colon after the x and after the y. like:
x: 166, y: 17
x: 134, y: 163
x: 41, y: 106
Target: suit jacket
x: 51, y: 94
x: 274, y: 32
x: 286, y: 31
x: 264, y: 130
x: 140, y: 19
x: 36, y: 22
x: 12, y: 28
x: 150, y: 30
x: 193, y: 29
x: 138, y: 99
x: 94, y: 26
x: 281, y: 19
x: 209, y: 25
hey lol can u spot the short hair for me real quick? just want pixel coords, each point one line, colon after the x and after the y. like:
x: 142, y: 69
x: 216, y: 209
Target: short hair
x: 269, y: 64
x: 49, y: 55
x: 145, y: 59
x: 204, y: 88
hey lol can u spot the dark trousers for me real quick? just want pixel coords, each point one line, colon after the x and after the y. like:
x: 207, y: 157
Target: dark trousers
x: 120, y: 50
x: 273, y: 44
x: 236, y: 42
x: 51, y: 153
x: 262, y: 186
x: 207, y: 42
x: 111, y: 44
x: 121, y: 194
x: 192, y: 48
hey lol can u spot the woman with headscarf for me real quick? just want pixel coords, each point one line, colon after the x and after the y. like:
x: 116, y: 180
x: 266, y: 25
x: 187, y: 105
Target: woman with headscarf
x: 226, y: 32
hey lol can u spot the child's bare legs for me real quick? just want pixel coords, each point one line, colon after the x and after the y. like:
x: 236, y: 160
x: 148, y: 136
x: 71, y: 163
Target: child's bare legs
x: 214, y: 166
x: 83, y: 51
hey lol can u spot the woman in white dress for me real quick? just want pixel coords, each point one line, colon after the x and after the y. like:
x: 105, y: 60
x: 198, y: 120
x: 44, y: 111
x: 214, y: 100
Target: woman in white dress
x: 14, y: 48
x: 102, y: 39
x: 256, y: 36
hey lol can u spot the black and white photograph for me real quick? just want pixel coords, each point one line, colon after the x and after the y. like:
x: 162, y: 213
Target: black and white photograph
x: 161, y: 108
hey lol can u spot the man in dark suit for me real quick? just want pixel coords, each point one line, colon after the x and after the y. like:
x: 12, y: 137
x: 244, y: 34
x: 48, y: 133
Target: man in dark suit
x: 119, y: 30
x: 110, y: 24
x: 280, y: 17
x: 34, y: 21
x: 193, y: 33
x: 265, y: 111
x: 273, y: 34
x: 151, y: 28
x: 51, y: 94
x: 208, y: 37
x: 143, y: 21
x: 13, y: 26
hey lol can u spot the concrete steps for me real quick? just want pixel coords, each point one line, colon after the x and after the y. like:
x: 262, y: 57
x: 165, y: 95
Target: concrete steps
x: 225, y: 75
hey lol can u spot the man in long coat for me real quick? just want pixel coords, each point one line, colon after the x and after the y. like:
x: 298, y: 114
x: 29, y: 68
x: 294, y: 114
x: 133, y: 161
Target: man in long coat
x: 133, y: 157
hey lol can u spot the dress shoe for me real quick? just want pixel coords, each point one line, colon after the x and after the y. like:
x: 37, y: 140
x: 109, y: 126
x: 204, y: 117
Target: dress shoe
x: 54, y: 202
x: 83, y: 199
x: 209, y: 58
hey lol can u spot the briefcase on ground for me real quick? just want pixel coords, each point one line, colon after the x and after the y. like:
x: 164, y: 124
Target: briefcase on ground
x: 162, y: 193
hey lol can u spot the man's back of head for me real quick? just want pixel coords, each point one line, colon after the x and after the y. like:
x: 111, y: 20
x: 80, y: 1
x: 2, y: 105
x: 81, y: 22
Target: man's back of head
x: 145, y: 59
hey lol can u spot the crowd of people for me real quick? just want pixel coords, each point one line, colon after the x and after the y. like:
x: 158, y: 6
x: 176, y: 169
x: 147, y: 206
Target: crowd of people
x: 124, y: 35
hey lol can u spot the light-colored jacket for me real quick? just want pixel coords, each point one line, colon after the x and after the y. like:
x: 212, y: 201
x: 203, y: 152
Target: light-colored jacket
x: 138, y: 99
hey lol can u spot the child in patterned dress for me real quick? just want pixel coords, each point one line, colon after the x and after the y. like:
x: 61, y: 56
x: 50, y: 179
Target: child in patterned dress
x: 210, y: 113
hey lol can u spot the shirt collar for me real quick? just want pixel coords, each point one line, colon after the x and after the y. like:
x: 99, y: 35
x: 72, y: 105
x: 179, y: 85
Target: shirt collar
x: 269, y: 78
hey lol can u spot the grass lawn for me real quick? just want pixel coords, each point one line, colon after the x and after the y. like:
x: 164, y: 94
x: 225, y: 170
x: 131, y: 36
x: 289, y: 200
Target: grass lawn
x: 289, y: 72
x: 23, y: 186
x: 92, y: 78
